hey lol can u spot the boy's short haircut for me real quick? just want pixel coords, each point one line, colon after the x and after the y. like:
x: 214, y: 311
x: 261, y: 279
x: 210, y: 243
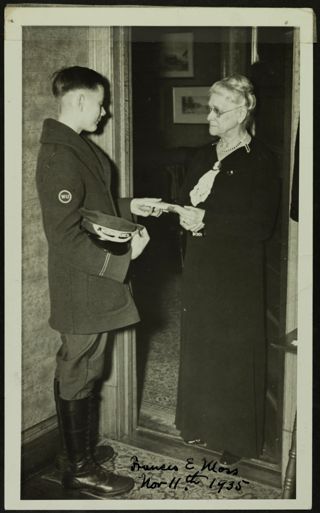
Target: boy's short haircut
x: 75, y: 77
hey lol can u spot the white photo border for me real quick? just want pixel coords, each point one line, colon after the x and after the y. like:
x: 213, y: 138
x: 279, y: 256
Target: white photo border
x: 15, y: 18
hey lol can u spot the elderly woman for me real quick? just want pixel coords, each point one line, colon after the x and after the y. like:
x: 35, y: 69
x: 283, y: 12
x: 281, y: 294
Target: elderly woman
x: 234, y: 183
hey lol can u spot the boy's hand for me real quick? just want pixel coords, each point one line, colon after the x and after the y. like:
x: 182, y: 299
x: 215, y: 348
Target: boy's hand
x: 138, y: 242
x: 145, y: 207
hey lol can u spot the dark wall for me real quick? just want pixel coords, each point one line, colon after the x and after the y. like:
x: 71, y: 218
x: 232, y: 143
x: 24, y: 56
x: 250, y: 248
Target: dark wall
x: 157, y: 140
x: 153, y: 94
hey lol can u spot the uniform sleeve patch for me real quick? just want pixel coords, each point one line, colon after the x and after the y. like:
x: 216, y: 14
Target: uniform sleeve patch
x: 64, y: 196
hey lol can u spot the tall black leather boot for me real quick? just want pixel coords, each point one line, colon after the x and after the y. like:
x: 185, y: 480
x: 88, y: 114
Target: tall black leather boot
x: 101, y: 453
x: 83, y: 472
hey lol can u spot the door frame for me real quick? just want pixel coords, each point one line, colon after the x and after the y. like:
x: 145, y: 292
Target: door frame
x: 110, y: 54
x: 119, y: 405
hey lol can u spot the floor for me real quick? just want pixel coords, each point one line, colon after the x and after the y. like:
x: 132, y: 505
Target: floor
x: 168, y: 478
x: 156, y: 287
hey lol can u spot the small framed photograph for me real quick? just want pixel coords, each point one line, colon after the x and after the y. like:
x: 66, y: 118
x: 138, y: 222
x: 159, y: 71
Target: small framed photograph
x: 190, y: 104
x: 176, y: 54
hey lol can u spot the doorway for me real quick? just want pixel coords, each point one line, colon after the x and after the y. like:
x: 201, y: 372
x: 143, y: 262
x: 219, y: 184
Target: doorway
x: 161, y: 151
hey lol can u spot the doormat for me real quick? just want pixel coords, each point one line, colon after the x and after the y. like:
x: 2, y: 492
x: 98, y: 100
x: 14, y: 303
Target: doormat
x: 159, y: 477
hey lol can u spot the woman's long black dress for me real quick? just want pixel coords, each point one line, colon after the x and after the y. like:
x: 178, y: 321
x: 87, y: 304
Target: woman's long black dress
x: 221, y: 388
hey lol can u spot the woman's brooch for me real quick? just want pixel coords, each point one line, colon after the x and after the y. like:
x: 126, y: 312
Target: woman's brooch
x: 217, y: 166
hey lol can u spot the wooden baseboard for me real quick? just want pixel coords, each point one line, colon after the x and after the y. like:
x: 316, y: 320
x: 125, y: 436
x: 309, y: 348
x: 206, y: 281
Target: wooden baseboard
x: 34, y: 432
x: 40, y: 445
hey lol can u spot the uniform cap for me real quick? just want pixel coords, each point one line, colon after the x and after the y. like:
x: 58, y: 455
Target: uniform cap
x: 108, y: 227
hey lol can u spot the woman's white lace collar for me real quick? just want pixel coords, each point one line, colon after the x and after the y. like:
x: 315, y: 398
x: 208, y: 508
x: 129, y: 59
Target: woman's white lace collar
x: 202, y: 189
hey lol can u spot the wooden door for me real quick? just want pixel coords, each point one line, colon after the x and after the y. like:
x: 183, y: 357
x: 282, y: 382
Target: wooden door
x: 269, y: 56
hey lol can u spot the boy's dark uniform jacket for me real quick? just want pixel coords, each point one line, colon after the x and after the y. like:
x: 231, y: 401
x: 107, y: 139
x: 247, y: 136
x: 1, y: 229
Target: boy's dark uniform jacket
x: 86, y: 282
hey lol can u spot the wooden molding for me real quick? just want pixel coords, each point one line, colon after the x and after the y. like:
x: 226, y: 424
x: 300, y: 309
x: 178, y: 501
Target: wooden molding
x: 121, y: 100
x: 40, y: 445
x: 100, y: 49
x: 291, y: 314
x: 109, y: 54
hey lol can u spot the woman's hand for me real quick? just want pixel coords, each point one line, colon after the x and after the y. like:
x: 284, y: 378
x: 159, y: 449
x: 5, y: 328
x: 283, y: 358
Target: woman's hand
x: 139, y: 242
x: 145, y: 207
x: 191, y: 218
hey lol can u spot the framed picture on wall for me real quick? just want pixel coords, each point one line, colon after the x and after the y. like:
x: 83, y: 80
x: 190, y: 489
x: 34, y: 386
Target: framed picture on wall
x: 176, y: 54
x: 190, y: 104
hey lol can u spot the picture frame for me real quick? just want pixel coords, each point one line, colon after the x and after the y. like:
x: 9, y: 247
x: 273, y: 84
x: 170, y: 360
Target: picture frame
x: 176, y: 54
x: 190, y: 104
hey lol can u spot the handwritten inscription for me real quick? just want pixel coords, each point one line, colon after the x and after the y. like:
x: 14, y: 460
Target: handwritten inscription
x: 212, y: 473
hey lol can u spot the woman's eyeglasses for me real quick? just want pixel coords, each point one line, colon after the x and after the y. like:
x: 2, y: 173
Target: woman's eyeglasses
x: 218, y: 113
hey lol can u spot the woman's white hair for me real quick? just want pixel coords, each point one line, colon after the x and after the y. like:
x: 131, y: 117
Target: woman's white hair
x: 240, y: 90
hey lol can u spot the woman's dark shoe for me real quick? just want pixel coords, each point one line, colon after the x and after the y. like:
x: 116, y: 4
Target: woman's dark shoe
x: 228, y: 459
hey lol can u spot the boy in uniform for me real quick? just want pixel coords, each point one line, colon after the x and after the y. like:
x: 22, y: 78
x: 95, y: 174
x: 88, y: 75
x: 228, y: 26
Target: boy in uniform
x: 88, y: 293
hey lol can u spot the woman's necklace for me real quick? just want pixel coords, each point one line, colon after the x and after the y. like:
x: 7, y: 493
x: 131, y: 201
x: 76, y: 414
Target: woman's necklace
x: 223, y: 147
